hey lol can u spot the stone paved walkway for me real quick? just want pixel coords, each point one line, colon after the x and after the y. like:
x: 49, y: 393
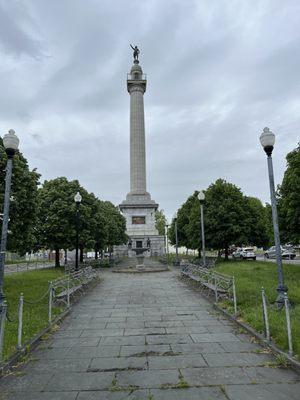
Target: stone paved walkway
x: 148, y: 337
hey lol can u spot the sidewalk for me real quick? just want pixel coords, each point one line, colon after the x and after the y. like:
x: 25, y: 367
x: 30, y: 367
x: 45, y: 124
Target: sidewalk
x: 14, y: 268
x: 148, y: 337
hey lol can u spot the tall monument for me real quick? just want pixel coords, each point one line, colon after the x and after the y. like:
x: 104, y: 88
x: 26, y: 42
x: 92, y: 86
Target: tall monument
x: 138, y: 208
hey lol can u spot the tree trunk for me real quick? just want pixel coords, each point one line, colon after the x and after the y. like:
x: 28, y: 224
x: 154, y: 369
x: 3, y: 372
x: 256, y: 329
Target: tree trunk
x: 66, y: 256
x: 81, y: 254
x: 57, y: 264
x: 226, y: 253
x: 96, y: 253
x: 199, y: 253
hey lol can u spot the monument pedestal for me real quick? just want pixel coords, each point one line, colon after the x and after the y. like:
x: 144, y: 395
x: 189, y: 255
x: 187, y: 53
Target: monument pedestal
x: 139, y: 212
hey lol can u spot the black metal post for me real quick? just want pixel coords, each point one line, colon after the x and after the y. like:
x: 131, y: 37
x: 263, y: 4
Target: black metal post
x: 202, y: 233
x: 10, y: 153
x: 77, y: 234
x: 167, y: 241
x: 176, y: 238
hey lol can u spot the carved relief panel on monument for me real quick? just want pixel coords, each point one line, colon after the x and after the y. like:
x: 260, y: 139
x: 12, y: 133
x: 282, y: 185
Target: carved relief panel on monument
x: 138, y: 220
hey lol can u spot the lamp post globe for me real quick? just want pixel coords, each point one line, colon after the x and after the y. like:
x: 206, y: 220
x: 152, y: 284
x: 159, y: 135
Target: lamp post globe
x: 11, y: 145
x: 201, y: 195
x: 201, y: 198
x: 11, y: 142
x: 77, y: 199
x: 267, y: 140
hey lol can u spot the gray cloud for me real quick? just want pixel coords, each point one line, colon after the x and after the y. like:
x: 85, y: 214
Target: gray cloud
x: 218, y: 72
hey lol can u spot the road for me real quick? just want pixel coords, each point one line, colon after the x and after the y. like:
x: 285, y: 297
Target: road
x: 296, y: 261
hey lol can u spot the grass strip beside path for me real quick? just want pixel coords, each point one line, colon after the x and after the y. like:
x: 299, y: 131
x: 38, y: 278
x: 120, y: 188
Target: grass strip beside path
x: 250, y: 277
x: 33, y: 285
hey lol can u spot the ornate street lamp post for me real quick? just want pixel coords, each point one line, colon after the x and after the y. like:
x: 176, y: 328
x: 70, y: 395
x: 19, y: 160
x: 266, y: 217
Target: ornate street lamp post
x: 176, y: 238
x: 11, y: 145
x: 201, y: 198
x: 267, y: 140
x: 77, y: 199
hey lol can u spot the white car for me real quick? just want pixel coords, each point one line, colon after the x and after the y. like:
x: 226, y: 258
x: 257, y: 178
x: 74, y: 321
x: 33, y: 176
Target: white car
x: 287, y: 252
x: 246, y: 253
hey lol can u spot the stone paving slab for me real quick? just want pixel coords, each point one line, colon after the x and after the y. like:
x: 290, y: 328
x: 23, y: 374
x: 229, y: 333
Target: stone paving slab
x: 89, y: 352
x: 148, y: 337
x: 64, y: 365
x: 175, y: 362
x: 118, y: 363
x: 129, y: 351
x: 40, y: 396
x: 79, y: 381
x: 109, y: 395
x: 238, y: 359
x: 264, y: 392
x: 203, y: 393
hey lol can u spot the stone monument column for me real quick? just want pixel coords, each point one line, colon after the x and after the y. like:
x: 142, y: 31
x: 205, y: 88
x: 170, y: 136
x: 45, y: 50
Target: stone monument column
x: 138, y: 208
x: 136, y: 86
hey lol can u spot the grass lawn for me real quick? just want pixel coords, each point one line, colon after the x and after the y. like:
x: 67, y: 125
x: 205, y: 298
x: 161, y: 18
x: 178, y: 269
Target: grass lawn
x: 250, y: 277
x: 33, y: 285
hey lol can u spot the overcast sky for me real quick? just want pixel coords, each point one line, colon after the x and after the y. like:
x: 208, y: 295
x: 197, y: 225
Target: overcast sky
x: 218, y: 73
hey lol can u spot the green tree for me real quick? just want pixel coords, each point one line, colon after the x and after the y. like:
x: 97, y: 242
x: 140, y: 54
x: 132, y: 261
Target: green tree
x: 115, y: 226
x: 269, y: 224
x: 183, y: 220
x: 23, y: 207
x: 289, y: 199
x: 160, y: 222
x: 225, y: 216
x: 256, y: 223
x: 56, y: 214
x: 100, y: 228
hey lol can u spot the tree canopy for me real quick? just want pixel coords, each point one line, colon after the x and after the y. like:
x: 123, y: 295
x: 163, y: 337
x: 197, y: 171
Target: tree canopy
x: 229, y: 218
x: 289, y: 199
x: 100, y: 222
x: 160, y: 222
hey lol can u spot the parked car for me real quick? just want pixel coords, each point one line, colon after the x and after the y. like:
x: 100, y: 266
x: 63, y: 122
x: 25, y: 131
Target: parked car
x: 245, y: 253
x: 287, y: 252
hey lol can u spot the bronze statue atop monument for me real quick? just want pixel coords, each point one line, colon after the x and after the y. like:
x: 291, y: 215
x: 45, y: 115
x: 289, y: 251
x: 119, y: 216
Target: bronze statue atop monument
x: 136, y: 53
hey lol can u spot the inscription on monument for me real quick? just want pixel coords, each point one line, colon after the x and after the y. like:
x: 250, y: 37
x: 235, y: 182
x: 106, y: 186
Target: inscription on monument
x: 138, y: 220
